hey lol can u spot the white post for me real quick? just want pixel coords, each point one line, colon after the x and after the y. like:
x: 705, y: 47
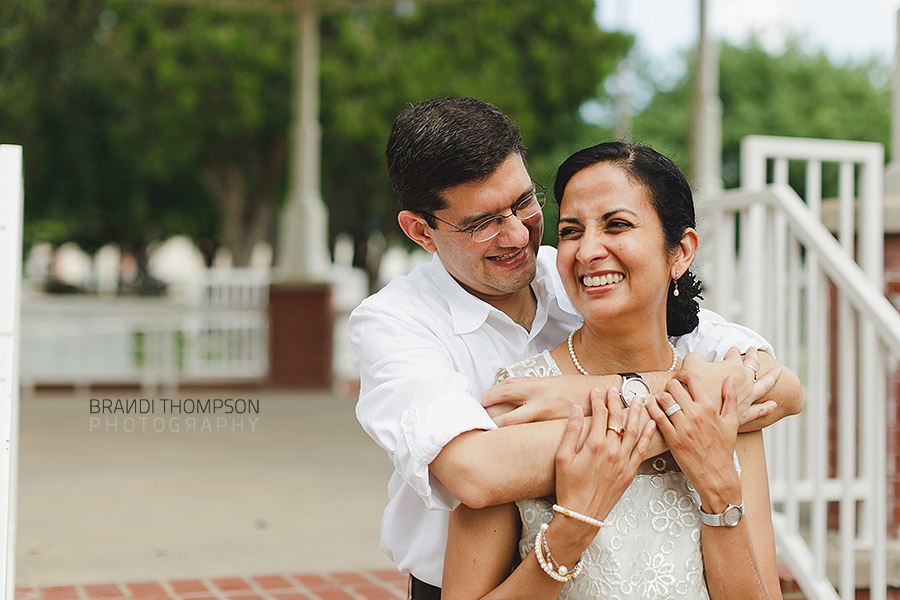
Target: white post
x: 707, y: 117
x: 706, y: 144
x: 302, y: 242
x: 11, y: 195
x: 892, y: 173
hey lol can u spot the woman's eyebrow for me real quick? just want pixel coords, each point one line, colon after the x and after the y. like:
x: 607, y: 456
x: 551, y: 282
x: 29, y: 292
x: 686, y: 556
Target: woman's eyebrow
x: 610, y: 214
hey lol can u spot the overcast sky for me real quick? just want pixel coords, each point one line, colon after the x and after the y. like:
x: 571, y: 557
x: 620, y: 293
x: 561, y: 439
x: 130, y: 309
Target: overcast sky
x: 845, y: 29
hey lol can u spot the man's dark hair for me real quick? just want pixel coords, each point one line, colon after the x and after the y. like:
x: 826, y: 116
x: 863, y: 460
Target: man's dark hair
x: 670, y: 196
x: 444, y: 142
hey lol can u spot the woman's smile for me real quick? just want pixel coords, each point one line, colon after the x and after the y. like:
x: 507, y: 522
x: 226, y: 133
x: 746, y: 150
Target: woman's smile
x: 603, y: 281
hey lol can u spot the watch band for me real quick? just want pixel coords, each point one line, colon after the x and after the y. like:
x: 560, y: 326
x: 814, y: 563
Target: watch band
x: 729, y: 517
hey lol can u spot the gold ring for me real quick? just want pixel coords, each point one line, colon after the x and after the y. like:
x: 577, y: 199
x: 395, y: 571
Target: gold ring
x: 619, y: 431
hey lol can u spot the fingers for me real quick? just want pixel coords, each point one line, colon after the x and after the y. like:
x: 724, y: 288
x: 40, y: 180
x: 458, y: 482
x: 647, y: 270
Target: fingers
x: 765, y: 383
x: 664, y: 401
x: 643, y: 442
x: 572, y: 433
x: 509, y: 390
x: 733, y: 355
x: 632, y: 423
x: 695, y: 392
x: 694, y: 361
x: 729, y: 399
x: 754, y: 412
x: 518, y: 415
x: 614, y: 406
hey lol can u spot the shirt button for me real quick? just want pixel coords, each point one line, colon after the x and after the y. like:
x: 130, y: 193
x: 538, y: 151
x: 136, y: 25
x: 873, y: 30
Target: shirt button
x: 531, y: 349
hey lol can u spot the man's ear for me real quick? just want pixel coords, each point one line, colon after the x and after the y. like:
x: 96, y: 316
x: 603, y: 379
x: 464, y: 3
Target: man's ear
x: 416, y: 228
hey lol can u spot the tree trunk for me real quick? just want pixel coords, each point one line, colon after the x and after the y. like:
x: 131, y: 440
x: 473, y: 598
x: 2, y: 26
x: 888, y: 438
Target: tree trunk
x: 245, y: 194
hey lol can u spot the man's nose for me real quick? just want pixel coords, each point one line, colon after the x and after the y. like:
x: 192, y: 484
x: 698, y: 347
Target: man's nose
x: 515, y: 232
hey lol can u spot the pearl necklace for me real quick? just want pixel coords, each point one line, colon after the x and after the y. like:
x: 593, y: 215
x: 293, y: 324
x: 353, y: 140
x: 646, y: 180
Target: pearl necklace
x: 583, y: 372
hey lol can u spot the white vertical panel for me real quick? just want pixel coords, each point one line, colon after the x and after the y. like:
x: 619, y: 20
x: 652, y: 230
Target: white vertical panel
x: 11, y: 194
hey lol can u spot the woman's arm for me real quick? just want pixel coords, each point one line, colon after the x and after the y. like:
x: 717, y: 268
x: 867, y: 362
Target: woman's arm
x: 702, y: 435
x: 481, y: 547
x: 590, y: 478
x: 741, y: 558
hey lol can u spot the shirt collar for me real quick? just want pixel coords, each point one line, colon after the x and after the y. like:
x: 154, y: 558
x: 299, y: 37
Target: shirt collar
x: 467, y: 312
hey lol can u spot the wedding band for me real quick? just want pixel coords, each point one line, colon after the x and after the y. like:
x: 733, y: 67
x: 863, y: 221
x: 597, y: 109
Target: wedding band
x: 619, y: 431
x: 673, y: 409
x: 755, y: 372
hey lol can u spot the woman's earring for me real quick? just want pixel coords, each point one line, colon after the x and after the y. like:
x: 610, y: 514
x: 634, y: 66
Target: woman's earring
x: 675, y: 291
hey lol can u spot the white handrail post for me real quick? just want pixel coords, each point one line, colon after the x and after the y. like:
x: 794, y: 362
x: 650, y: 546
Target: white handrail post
x: 873, y: 385
x: 11, y: 200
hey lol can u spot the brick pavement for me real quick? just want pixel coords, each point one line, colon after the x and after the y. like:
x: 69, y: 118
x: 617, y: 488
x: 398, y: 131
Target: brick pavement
x: 361, y: 585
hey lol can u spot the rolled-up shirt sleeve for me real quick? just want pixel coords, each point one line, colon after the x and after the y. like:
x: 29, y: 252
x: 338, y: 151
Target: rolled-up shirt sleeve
x: 413, y: 400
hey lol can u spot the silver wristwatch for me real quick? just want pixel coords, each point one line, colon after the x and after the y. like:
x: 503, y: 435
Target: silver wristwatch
x: 633, y: 386
x: 729, y: 517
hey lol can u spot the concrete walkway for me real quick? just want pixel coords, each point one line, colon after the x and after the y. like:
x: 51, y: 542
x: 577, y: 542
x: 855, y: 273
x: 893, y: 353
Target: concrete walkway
x: 300, y: 490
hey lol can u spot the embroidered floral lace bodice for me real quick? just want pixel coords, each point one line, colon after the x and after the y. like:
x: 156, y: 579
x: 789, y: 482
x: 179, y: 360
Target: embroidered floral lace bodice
x: 650, y: 547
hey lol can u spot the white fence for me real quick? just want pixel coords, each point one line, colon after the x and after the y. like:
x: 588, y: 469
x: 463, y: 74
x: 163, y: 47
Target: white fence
x: 820, y: 301
x: 219, y: 333
x: 10, y: 261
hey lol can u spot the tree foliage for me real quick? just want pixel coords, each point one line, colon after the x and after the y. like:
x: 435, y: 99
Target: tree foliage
x: 141, y: 120
x: 793, y: 93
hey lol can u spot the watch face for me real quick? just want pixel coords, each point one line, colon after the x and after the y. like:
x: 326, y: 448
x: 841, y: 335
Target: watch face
x: 732, y: 516
x: 634, y: 388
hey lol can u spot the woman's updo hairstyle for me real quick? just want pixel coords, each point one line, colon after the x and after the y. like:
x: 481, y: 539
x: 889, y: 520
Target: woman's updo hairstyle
x: 671, y: 197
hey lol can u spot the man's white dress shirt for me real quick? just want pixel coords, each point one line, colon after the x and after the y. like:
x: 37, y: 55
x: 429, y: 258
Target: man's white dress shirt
x: 426, y: 350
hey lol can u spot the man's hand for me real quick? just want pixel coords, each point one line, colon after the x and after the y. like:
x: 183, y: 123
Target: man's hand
x: 530, y: 399
x: 751, y: 381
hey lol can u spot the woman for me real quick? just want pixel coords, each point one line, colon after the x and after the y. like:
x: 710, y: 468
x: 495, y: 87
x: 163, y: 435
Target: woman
x: 622, y: 527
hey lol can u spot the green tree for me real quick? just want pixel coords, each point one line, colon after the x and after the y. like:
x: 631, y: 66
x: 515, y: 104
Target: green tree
x: 794, y: 93
x: 141, y: 120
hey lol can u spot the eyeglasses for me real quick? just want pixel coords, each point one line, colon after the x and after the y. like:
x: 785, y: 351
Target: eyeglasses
x: 529, y: 207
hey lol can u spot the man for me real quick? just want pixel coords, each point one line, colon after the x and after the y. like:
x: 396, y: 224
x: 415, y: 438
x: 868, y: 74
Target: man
x: 429, y: 344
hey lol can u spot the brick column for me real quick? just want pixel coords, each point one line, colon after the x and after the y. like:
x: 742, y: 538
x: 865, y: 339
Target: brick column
x: 301, y: 322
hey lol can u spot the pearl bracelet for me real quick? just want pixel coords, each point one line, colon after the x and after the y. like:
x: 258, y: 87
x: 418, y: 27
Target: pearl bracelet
x: 560, y: 573
x: 578, y: 516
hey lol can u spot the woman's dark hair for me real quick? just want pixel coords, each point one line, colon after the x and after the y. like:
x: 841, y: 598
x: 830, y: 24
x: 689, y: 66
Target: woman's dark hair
x: 444, y: 142
x: 670, y: 196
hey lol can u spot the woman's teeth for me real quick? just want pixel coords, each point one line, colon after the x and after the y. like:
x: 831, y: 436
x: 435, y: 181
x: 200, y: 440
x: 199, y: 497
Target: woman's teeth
x: 605, y: 279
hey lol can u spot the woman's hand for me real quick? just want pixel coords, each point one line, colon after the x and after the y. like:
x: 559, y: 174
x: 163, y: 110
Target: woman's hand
x: 701, y: 431
x: 751, y: 381
x: 591, y: 476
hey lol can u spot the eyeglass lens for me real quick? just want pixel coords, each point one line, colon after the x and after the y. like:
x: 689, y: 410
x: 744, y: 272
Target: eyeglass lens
x: 528, y: 208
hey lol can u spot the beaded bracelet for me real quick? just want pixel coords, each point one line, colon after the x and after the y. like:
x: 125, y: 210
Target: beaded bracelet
x: 560, y: 573
x: 577, y: 515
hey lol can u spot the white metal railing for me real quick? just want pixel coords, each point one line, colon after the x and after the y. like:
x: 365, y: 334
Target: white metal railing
x: 820, y: 300
x: 219, y: 333
x: 10, y: 282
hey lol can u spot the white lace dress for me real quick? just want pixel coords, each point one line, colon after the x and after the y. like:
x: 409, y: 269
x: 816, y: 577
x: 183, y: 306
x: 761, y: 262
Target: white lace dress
x: 650, y: 547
